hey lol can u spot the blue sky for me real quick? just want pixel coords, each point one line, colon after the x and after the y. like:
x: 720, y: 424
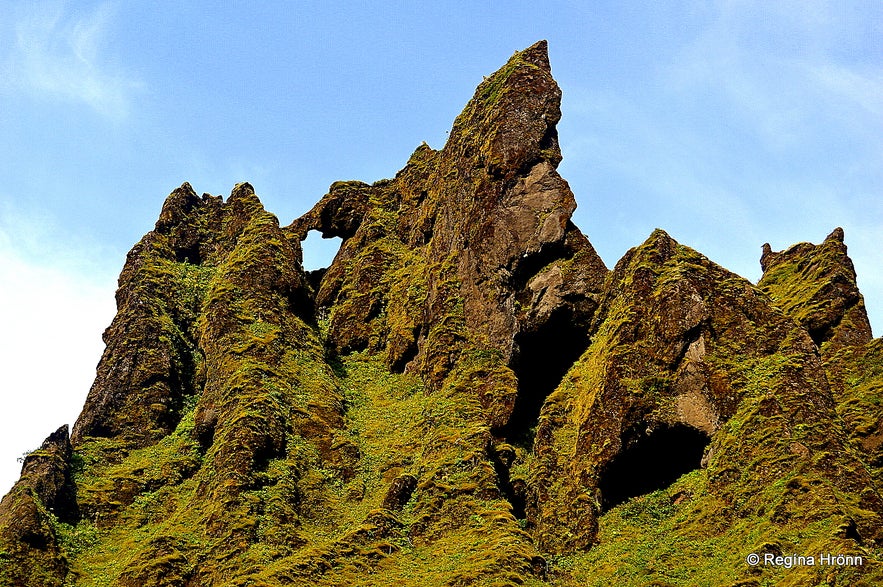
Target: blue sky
x: 728, y: 124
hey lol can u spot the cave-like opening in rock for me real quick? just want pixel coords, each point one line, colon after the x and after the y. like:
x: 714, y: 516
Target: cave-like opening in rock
x: 650, y: 460
x: 544, y: 356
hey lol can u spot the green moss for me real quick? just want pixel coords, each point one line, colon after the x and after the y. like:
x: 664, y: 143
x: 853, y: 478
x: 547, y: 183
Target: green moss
x: 794, y: 286
x: 383, y: 412
x: 856, y: 374
x: 679, y: 536
x: 491, y: 89
x: 816, y: 286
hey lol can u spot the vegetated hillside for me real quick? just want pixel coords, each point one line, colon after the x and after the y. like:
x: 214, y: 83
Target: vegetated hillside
x: 466, y: 396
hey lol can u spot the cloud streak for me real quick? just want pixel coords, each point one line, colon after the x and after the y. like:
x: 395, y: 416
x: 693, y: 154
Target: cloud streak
x: 53, y: 307
x: 776, y: 68
x: 58, y: 52
x: 764, y: 125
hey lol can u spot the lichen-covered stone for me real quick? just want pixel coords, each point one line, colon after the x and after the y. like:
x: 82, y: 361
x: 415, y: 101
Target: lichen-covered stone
x: 29, y: 514
x: 816, y: 285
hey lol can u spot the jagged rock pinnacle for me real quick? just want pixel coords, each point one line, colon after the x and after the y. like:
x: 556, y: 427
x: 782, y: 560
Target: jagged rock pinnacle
x: 816, y: 285
x: 836, y: 235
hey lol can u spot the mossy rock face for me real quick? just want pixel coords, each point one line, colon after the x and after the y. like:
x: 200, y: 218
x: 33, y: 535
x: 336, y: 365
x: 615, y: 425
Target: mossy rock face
x: 690, y: 361
x: 469, y: 247
x: 31, y: 512
x: 466, y: 396
x: 816, y: 285
x: 856, y: 374
x: 151, y: 361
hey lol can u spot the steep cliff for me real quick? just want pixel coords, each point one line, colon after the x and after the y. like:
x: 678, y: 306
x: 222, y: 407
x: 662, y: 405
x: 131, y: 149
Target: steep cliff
x: 816, y: 285
x: 465, y: 396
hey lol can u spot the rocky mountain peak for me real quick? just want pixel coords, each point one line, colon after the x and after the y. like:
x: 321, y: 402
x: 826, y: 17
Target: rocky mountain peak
x: 836, y: 235
x: 509, y: 125
x: 488, y: 212
x: 816, y: 285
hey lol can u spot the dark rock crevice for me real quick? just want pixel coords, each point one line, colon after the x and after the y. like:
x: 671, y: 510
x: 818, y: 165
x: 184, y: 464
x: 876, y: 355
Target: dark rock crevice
x: 405, y: 355
x: 528, y: 266
x: 204, y: 432
x: 688, y: 338
x: 514, y: 491
x: 189, y: 255
x: 544, y: 355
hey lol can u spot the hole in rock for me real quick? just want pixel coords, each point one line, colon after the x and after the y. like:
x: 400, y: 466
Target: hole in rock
x: 204, y: 431
x: 850, y: 531
x: 189, y: 255
x: 544, y: 356
x: 651, y: 461
x: 820, y: 335
x: 266, y: 451
x: 319, y: 251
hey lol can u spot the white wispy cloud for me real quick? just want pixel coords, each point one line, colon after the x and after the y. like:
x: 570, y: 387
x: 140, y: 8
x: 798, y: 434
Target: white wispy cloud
x: 57, y: 50
x: 850, y: 88
x: 54, y: 304
x: 781, y: 68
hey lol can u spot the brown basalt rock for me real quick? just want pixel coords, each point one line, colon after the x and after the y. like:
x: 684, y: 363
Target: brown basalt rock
x: 43, y: 495
x: 400, y: 492
x: 467, y: 247
x: 148, y: 364
x: 49, y: 471
x: 680, y: 348
x: 816, y: 285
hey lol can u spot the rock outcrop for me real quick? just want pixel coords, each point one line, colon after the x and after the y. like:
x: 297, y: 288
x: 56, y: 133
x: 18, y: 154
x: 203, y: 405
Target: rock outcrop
x: 691, y: 367
x: 43, y: 497
x: 478, y: 236
x: 465, y: 396
x: 816, y: 285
